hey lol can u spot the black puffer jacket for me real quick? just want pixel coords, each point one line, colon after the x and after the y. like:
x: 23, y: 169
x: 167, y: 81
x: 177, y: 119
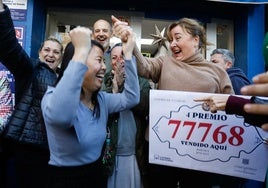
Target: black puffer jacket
x: 31, y: 80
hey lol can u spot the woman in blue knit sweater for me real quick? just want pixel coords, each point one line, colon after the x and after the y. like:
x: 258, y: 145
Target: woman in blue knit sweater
x: 76, y: 111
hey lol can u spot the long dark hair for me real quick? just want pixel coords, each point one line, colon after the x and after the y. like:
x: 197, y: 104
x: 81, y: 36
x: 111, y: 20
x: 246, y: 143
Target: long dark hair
x: 67, y: 56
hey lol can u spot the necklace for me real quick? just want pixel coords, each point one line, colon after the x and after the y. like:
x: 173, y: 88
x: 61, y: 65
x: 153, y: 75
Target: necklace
x: 90, y: 105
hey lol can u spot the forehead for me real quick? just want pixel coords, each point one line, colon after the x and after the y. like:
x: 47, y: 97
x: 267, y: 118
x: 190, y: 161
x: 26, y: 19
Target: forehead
x: 216, y: 56
x: 101, y: 24
x: 116, y: 50
x: 52, y: 44
x: 179, y: 30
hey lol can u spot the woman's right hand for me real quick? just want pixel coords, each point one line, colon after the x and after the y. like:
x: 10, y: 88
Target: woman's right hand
x: 214, y: 102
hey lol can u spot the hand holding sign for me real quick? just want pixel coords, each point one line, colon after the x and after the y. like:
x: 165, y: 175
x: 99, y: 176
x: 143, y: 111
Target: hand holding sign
x: 184, y: 134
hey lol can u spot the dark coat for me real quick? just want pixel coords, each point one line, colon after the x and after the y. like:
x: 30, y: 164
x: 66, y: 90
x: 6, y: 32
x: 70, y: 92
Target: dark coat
x: 32, y: 77
x: 238, y: 79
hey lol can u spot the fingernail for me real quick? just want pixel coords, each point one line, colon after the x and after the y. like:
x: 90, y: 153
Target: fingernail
x: 246, y: 107
x: 255, y: 78
x: 244, y: 89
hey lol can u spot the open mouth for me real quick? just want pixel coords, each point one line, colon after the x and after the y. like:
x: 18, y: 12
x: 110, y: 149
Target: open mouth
x: 100, y: 76
x: 176, y: 51
x: 50, y: 61
x: 101, y: 39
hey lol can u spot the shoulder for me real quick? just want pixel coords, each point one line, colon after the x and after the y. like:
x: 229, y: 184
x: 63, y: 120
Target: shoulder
x: 235, y: 70
x: 213, y: 66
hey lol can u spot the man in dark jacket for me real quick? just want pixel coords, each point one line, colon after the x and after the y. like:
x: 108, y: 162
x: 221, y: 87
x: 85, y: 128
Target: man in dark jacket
x: 226, y: 60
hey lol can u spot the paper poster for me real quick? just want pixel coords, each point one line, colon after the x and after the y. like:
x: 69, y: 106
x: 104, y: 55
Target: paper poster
x: 18, y: 9
x: 184, y: 134
x: 20, y: 34
x: 16, y: 4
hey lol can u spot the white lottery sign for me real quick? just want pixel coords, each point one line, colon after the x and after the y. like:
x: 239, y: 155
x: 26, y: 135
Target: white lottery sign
x: 183, y: 134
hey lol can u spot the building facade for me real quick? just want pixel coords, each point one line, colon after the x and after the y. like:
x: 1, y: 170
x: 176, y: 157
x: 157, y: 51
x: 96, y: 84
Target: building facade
x: 240, y: 27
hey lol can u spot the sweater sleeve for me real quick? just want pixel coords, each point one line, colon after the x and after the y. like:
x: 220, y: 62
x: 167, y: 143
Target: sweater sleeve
x: 130, y: 95
x: 65, y: 97
x: 149, y: 68
x: 235, y: 105
x: 142, y: 65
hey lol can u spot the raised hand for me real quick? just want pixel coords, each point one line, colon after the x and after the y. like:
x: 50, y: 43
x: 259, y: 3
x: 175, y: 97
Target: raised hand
x: 120, y: 29
x: 81, y: 39
x: 123, y: 31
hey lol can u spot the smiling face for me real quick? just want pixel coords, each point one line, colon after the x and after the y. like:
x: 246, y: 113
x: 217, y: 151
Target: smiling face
x: 118, y: 64
x: 117, y: 59
x: 96, y: 70
x: 102, y: 33
x: 51, y: 54
x: 182, y: 44
x: 218, y: 59
x: 221, y: 61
